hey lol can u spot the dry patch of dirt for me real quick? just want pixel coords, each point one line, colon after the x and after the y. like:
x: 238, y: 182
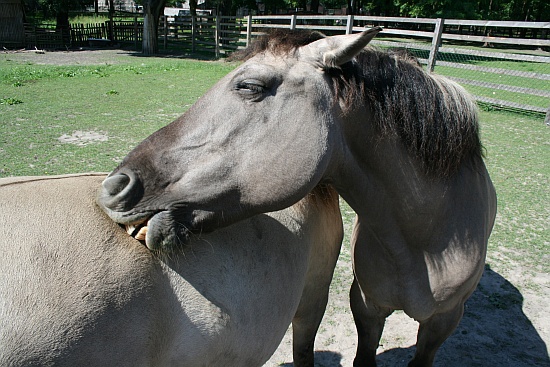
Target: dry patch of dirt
x: 83, y: 138
x: 82, y: 57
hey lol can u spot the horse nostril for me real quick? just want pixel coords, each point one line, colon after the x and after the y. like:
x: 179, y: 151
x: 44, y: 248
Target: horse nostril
x: 120, y: 192
x: 113, y: 185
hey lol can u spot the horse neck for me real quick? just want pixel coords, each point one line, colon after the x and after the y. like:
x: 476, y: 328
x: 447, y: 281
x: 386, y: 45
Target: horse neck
x: 379, y: 177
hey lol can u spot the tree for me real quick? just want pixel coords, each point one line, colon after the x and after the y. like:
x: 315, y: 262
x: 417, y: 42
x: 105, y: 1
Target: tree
x: 56, y: 8
x: 152, y: 9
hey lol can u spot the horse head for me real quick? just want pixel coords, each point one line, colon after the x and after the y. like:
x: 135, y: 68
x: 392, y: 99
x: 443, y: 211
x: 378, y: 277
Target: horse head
x: 259, y: 140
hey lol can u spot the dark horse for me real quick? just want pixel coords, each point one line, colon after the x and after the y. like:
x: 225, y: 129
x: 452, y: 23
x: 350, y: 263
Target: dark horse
x: 400, y: 146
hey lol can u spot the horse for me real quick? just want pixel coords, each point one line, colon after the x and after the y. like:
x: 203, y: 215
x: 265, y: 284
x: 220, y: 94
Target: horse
x: 77, y: 290
x: 401, y: 146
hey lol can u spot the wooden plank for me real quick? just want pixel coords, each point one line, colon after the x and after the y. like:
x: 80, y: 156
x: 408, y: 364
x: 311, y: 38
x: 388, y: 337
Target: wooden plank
x: 436, y: 41
x: 249, y: 30
x: 509, y: 88
x: 272, y: 26
x: 406, y: 45
x: 396, y: 19
x: 496, y: 23
x: 323, y: 27
x: 349, y: 24
x: 496, y: 55
x: 502, y: 103
x: 523, y: 74
x: 293, y: 22
x: 501, y: 40
x: 205, y: 43
x: 403, y: 32
x: 271, y: 17
x: 323, y: 17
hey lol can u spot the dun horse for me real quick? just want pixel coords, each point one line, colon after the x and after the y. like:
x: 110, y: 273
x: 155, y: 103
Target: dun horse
x: 77, y: 290
x: 401, y: 146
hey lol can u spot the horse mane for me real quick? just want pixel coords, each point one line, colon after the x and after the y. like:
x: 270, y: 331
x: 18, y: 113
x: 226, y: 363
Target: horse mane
x: 434, y: 117
x: 280, y: 41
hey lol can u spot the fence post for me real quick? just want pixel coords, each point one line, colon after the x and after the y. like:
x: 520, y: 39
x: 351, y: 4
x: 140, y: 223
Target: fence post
x: 111, y: 28
x: 165, y: 31
x: 193, y: 33
x: 349, y: 25
x: 135, y: 33
x: 249, y: 30
x: 217, y: 36
x: 293, y: 22
x: 547, y: 118
x: 436, y: 41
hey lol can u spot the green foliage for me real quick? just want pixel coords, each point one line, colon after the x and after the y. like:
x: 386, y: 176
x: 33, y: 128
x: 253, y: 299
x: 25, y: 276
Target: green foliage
x: 520, y: 10
x: 10, y: 101
x: 50, y: 8
x: 438, y: 8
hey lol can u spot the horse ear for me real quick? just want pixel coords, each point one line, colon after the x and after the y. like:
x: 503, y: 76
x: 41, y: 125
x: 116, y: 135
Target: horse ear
x: 337, y: 50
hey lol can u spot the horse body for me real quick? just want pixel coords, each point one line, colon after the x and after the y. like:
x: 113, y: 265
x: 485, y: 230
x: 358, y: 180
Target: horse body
x: 418, y: 237
x: 76, y: 289
x: 399, y: 145
x: 420, y: 249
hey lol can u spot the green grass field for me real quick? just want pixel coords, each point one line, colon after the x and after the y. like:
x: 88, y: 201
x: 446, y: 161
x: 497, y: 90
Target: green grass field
x: 127, y: 99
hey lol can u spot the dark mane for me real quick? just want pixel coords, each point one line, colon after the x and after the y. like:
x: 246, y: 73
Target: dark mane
x: 435, y: 118
x: 279, y: 41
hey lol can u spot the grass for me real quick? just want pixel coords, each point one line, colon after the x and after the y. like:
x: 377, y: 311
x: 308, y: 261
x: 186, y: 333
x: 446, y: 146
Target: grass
x: 108, y: 99
x: 518, y: 155
x: 128, y: 99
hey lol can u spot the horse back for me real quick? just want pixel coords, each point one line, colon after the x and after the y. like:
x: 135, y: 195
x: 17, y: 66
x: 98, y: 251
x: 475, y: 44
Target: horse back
x: 63, y: 280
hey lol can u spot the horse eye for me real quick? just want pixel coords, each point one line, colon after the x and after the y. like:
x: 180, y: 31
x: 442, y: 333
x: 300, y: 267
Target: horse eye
x: 251, y: 87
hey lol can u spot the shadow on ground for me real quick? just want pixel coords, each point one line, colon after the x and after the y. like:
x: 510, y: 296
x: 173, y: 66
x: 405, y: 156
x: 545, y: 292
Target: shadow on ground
x: 323, y: 359
x: 493, y: 332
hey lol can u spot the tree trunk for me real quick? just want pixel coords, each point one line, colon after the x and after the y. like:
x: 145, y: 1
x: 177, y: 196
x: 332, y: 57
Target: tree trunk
x: 151, y: 14
x: 62, y: 24
x: 193, y: 7
x: 349, y: 9
x: 315, y: 6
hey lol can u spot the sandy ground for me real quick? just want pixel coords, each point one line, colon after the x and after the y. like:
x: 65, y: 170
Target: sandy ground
x: 502, y: 325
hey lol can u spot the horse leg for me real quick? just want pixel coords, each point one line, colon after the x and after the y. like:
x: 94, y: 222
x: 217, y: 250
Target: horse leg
x: 369, y: 321
x: 432, y: 333
x: 304, y: 329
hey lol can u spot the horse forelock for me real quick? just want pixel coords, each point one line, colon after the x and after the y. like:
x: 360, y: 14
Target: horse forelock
x: 277, y: 41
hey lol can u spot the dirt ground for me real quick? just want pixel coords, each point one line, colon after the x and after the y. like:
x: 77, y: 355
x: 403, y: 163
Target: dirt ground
x: 502, y: 325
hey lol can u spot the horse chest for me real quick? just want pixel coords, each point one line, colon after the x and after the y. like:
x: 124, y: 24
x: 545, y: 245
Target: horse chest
x: 402, y: 277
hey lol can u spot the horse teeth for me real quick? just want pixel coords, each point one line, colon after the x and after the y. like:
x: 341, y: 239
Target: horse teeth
x: 130, y: 228
x: 140, y: 236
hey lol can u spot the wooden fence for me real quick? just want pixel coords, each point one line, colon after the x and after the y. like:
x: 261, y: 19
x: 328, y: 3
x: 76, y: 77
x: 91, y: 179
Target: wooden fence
x: 220, y: 35
x: 454, y: 48
x: 473, y: 53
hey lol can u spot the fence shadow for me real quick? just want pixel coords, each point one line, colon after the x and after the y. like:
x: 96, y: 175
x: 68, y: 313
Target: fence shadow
x: 493, y: 332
